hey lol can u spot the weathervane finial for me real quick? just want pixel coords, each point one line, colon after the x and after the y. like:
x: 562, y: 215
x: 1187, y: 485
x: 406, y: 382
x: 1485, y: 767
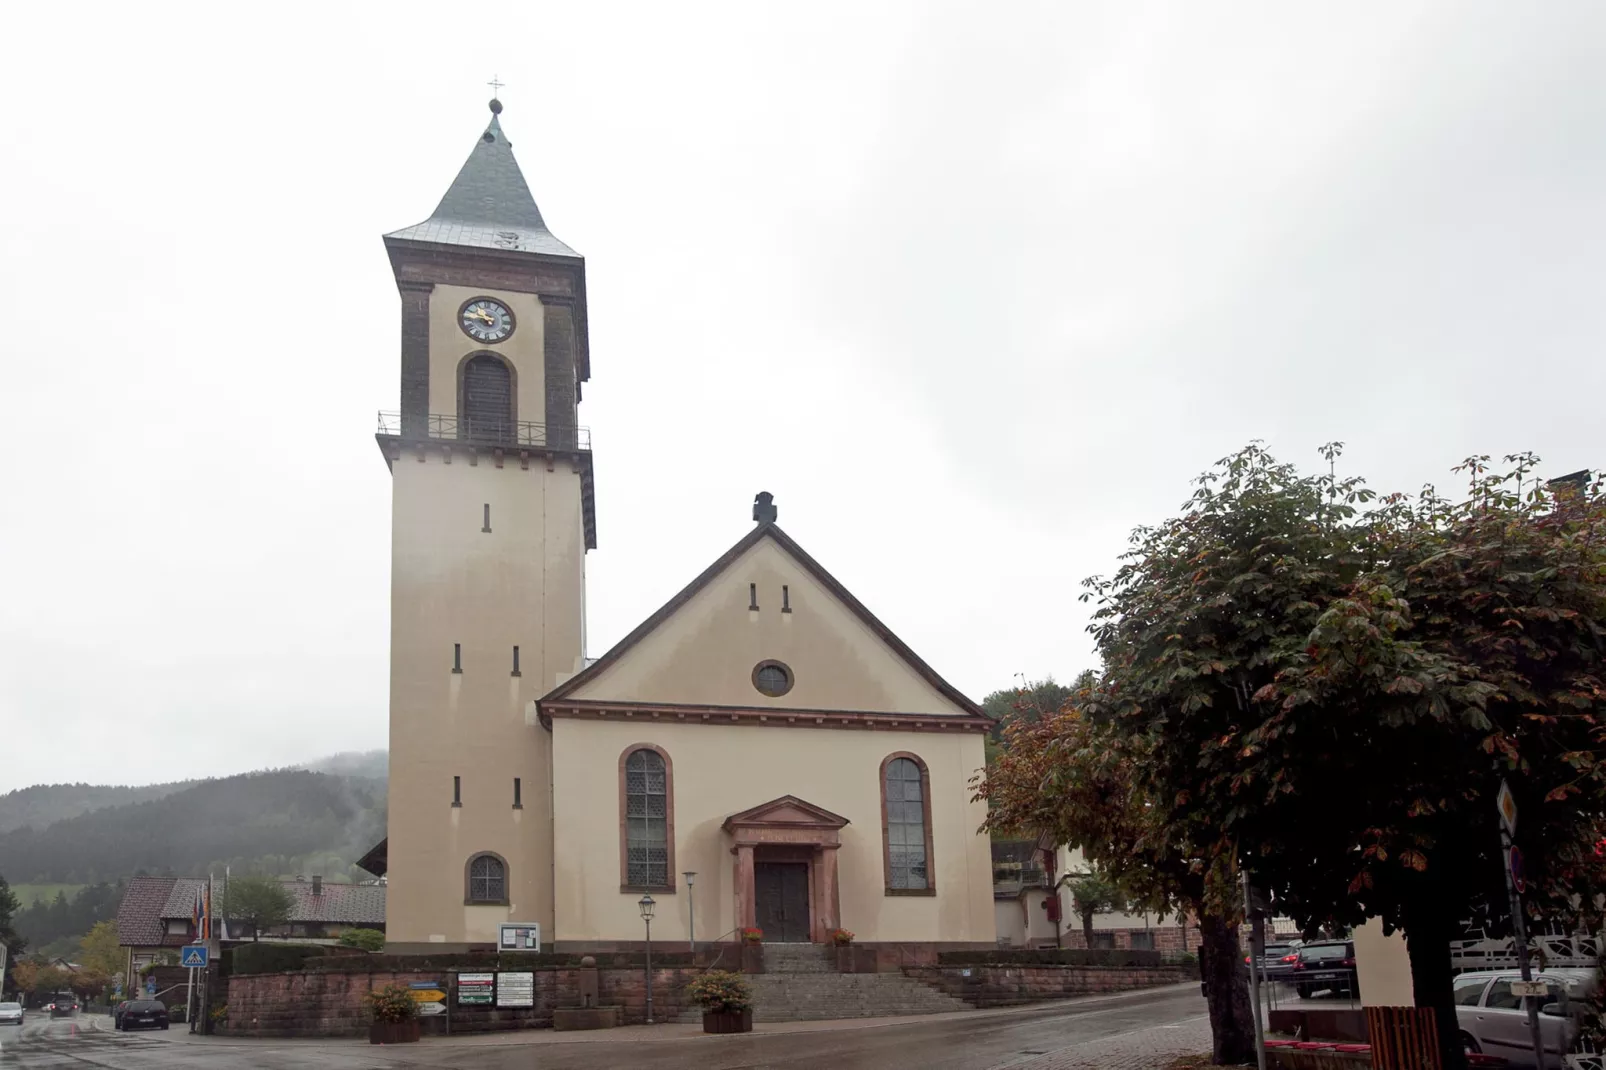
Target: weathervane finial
x: 495, y: 85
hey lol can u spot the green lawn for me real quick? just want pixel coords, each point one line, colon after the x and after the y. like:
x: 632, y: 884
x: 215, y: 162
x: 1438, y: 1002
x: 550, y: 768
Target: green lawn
x: 28, y: 894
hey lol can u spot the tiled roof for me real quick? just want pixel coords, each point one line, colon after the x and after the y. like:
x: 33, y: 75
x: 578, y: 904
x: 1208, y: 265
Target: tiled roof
x: 139, y: 915
x: 351, y: 904
x: 488, y: 205
x: 181, y: 900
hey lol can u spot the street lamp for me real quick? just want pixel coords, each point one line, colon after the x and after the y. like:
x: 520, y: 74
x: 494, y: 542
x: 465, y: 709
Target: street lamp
x: 647, y: 906
x: 691, y: 905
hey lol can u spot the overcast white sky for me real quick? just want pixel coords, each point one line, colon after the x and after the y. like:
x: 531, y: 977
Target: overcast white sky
x: 973, y: 289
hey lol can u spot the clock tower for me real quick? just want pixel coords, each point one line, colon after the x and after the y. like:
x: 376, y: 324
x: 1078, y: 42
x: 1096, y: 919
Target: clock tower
x: 492, y: 515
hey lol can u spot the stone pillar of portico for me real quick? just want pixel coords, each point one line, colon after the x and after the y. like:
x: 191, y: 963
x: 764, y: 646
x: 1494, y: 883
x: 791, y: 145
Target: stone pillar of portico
x: 746, y: 909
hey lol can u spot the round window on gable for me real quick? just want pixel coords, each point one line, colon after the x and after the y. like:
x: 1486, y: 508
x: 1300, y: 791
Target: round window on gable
x: 772, y: 678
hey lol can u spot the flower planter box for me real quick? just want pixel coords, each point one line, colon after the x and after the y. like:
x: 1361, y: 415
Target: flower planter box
x: 728, y: 1021
x: 393, y: 1032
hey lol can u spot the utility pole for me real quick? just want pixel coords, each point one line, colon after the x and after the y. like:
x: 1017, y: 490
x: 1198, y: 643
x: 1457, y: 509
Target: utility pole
x: 1507, y: 806
x: 1257, y: 943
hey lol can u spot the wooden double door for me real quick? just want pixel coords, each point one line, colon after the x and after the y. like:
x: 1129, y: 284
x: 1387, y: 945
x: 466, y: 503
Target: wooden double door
x: 781, y: 901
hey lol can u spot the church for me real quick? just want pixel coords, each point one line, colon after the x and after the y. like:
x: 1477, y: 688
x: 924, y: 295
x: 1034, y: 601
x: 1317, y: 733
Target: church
x: 760, y: 753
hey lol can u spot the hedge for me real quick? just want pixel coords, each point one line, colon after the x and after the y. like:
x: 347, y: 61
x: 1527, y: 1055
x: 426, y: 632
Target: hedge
x: 274, y: 958
x: 281, y: 958
x: 1050, y: 956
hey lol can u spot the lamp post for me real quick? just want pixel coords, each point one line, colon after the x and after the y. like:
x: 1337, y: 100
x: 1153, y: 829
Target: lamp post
x: 691, y: 905
x: 647, y: 906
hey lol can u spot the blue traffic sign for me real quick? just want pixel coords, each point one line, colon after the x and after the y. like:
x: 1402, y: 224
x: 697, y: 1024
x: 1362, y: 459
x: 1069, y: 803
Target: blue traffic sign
x: 192, y: 955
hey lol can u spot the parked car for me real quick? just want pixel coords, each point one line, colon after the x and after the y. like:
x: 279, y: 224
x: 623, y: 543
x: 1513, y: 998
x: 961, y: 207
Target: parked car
x: 1277, y: 963
x: 10, y: 1014
x: 142, y: 1014
x: 1329, y: 964
x: 1495, y: 1022
x: 62, y: 1007
x: 117, y: 1014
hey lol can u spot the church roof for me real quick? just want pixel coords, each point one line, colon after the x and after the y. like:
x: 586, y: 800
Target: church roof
x: 488, y: 205
x: 766, y: 528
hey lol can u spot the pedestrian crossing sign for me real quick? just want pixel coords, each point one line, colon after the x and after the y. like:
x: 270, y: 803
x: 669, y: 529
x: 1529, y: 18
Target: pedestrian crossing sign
x: 192, y: 955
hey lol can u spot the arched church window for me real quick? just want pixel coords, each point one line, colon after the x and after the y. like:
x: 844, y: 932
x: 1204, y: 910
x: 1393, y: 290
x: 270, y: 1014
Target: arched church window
x: 486, y: 399
x: 648, y: 819
x: 487, y: 879
x: 906, y: 825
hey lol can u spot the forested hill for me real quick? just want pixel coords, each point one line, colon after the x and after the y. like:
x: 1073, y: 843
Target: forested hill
x: 43, y: 804
x: 259, y: 822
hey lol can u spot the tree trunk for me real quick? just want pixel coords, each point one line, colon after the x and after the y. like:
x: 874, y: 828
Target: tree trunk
x: 1428, y: 932
x: 1232, y: 1027
x: 1087, y: 927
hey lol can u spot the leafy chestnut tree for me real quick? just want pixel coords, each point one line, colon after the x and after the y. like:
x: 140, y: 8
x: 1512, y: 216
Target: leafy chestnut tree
x: 1063, y: 777
x: 1471, y: 651
x: 1330, y: 698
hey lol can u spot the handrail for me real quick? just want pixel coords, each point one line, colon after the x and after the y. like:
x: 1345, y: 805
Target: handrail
x: 484, y: 431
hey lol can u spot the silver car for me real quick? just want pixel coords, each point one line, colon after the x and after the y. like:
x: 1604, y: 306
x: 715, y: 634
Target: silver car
x: 1495, y: 1022
x: 10, y: 1014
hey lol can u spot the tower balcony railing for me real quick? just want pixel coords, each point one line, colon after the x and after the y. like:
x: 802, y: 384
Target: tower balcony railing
x: 485, y: 431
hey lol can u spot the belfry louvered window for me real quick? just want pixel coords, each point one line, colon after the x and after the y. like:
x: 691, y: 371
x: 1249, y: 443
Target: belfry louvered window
x: 908, y: 825
x: 646, y: 820
x: 487, y: 414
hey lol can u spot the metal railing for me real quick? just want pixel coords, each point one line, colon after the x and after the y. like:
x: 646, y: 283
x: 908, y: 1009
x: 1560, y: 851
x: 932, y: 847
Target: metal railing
x: 484, y: 431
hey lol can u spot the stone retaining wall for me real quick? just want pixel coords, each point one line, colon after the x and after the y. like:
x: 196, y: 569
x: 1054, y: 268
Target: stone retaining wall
x: 330, y: 1004
x: 1002, y: 986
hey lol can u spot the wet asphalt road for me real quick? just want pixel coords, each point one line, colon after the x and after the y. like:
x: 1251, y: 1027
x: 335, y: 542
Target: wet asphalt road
x: 1039, y: 1037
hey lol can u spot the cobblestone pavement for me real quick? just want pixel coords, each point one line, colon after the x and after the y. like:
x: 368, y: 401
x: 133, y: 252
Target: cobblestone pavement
x: 1150, y: 1048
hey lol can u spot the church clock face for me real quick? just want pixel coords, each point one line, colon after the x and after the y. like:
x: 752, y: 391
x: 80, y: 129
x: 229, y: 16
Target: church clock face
x: 485, y: 320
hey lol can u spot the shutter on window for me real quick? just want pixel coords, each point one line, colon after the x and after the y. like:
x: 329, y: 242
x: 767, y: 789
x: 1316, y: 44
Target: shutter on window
x: 487, y: 400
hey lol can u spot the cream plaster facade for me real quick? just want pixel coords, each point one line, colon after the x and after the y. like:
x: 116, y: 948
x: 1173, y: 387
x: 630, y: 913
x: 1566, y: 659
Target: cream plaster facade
x: 706, y: 652
x: 720, y: 770
x: 455, y: 586
x: 524, y: 349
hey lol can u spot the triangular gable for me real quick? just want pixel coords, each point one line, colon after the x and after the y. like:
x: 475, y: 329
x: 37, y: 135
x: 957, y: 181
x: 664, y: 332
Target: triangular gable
x: 788, y: 810
x: 702, y: 646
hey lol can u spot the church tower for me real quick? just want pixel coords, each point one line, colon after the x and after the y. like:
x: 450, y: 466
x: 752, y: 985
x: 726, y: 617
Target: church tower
x: 492, y: 516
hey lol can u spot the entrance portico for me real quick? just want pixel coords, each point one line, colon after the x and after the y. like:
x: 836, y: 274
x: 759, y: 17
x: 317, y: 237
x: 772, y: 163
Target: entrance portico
x: 786, y: 869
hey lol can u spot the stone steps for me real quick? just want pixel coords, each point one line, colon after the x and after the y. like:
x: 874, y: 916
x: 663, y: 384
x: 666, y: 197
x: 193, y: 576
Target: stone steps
x: 800, y: 983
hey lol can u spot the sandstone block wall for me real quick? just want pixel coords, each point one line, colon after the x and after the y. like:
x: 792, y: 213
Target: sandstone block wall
x: 1001, y: 986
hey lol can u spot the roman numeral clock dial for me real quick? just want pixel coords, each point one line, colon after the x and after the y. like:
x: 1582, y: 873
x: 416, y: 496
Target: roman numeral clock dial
x: 486, y: 320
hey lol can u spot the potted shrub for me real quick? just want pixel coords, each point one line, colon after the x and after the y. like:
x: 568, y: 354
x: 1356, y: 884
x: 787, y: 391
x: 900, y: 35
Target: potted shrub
x: 395, y: 1015
x: 726, y: 1000
x: 752, y: 949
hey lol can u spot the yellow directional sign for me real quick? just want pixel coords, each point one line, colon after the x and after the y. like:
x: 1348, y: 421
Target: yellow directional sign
x: 428, y: 995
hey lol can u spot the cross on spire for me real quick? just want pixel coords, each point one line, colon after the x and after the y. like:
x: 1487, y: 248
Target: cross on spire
x: 495, y: 86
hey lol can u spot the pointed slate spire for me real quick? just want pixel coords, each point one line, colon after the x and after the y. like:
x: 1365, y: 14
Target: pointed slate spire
x: 488, y: 204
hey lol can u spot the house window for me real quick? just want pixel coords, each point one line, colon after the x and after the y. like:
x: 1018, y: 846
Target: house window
x: 1143, y: 941
x: 647, y: 817
x: 1103, y: 940
x: 487, y: 879
x: 906, y: 825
